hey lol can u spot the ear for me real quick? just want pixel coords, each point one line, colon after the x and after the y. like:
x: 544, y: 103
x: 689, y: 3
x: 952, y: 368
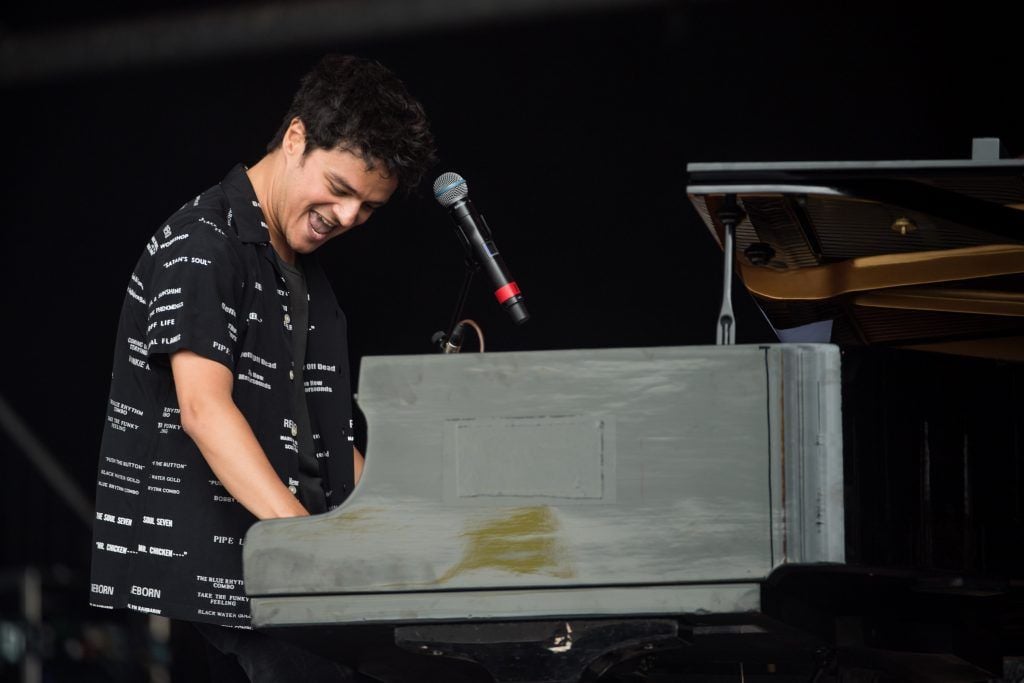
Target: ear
x: 294, y: 142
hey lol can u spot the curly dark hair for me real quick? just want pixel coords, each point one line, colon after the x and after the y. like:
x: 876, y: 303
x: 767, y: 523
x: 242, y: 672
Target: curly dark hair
x: 359, y: 105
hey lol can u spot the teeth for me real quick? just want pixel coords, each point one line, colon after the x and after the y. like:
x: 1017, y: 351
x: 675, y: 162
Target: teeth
x: 319, y: 225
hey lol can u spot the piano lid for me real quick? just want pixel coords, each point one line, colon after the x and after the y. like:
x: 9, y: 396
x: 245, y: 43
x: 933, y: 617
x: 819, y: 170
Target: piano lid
x: 918, y: 254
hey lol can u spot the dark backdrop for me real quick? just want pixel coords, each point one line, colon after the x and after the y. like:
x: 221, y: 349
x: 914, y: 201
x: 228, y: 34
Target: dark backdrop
x: 573, y: 132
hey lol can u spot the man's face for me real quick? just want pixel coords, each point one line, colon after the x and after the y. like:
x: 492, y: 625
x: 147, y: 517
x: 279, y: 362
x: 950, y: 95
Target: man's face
x: 321, y: 195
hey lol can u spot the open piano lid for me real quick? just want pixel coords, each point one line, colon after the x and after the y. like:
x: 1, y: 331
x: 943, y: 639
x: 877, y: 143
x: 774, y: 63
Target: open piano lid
x: 918, y: 254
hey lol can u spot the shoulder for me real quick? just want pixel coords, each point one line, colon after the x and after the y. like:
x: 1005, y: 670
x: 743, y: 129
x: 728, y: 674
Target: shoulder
x: 201, y: 232
x: 207, y: 215
x: 201, y: 226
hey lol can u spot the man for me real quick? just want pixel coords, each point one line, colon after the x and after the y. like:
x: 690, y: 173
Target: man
x: 230, y: 396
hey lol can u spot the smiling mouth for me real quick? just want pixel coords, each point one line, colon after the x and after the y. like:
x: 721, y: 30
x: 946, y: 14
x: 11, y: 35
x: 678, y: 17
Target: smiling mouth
x: 319, y: 224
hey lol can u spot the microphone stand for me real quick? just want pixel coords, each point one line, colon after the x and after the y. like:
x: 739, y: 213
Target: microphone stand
x: 451, y: 342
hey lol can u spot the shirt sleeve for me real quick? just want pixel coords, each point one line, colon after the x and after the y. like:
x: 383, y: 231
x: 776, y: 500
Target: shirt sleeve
x: 197, y: 284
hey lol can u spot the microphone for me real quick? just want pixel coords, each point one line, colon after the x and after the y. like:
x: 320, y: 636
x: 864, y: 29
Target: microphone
x: 451, y: 192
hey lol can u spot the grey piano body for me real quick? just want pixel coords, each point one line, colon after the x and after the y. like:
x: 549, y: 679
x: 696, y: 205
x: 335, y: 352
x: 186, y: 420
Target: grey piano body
x: 654, y: 487
x: 646, y: 514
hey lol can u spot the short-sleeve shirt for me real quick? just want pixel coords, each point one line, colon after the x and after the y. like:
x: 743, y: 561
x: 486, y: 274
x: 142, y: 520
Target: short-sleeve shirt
x: 167, y: 535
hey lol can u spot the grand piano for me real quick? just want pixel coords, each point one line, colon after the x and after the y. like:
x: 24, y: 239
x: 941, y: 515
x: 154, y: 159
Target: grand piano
x: 844, y: 504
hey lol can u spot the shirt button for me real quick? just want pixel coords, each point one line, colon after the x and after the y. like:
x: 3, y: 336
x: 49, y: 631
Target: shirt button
x: 295, y: 430
x: 287, y: 318
x: 291, y: 374
x: 293, y: 488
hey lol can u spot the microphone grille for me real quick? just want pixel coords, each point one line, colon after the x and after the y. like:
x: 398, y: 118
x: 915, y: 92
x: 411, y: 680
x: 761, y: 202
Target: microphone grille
x: 450, y: 188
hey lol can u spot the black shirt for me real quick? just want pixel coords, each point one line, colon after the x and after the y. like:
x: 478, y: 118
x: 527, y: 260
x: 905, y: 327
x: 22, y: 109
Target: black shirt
x: 167, y: 535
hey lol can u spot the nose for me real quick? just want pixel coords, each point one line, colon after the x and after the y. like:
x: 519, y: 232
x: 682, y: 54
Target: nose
x: 347, y: 212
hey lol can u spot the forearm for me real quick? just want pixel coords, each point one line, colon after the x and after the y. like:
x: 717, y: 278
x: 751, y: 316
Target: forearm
x: 229, y: 446
x: 213, y: 421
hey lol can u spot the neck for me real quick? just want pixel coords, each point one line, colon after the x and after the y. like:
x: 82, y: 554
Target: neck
x: 262, y: 175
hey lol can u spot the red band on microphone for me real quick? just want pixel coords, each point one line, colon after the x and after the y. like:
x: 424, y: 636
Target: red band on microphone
x: 507, y: 292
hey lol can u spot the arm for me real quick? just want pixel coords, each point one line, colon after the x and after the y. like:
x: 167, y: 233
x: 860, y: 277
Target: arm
x: 211, y: 418
x: 357, y: 464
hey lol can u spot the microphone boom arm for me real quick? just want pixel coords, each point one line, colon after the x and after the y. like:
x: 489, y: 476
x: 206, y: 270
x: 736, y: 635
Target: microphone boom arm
x: 446, y: 341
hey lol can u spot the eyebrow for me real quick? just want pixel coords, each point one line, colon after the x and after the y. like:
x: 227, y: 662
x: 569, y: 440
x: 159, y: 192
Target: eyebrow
x: 337, y: 181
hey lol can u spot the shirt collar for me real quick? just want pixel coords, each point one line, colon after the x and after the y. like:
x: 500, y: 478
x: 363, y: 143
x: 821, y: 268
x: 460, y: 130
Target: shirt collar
x: 248, y: 219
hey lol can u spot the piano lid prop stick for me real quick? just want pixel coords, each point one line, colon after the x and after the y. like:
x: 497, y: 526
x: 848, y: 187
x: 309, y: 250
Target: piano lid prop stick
x: 729, y: 215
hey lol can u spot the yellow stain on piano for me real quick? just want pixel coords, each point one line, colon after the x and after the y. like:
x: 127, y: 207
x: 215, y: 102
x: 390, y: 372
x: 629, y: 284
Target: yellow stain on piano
x: 520, y: 541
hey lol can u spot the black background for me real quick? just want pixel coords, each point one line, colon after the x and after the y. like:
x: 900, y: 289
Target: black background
x: 572, y: 131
